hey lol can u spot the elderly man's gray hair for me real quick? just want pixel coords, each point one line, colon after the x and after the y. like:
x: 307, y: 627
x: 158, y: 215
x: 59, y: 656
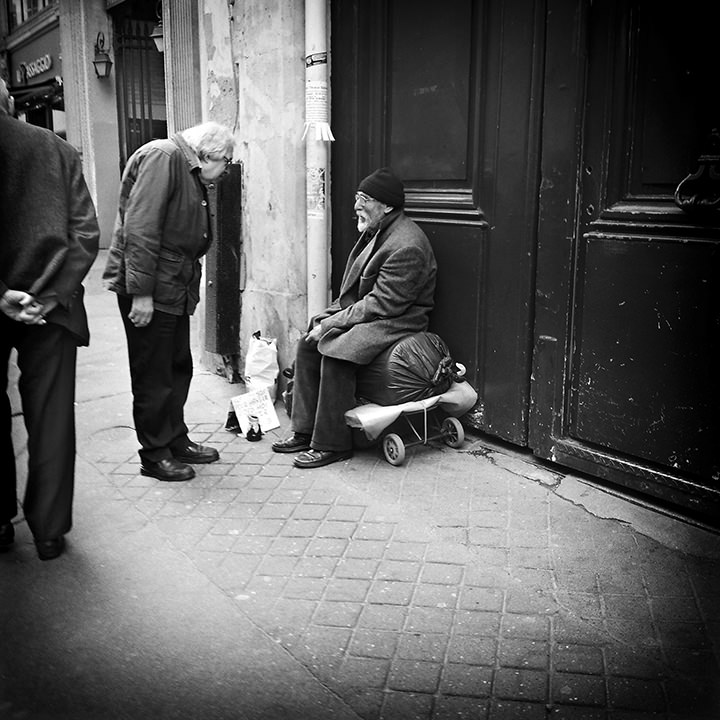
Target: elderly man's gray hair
x: 210, y: 138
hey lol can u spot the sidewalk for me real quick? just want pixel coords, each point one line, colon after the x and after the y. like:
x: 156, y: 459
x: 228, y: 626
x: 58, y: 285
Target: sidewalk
x: 465, y: 584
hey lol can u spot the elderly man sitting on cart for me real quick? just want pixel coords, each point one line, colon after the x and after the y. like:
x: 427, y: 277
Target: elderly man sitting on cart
x: 386, y: 294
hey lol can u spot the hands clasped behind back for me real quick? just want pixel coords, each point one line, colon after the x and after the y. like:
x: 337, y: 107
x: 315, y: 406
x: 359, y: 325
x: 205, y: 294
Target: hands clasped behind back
x: 23, y: 307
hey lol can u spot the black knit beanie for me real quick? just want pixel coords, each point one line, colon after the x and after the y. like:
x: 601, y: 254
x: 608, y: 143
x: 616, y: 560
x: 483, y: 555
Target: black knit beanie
x: 385, y: 186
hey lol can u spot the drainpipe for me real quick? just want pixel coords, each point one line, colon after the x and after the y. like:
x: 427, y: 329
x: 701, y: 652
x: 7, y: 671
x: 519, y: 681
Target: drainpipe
x: 317, y: 134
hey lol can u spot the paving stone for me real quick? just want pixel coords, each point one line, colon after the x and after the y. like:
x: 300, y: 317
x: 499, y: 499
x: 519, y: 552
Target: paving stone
x: 438, y: 596
x: 347, y: 589
x: 530, y: 600
x: 405, y: 550
x: 480, y: 598
x: 460, y: 708
x: 571, y: 629
x: 683, y: 634
x: 414, y: 676
x: 632, y: 662
x: 422, y: 646
x: 383, y: 617
x: 373, y: 549
x: 277, y: 565
x: 363, y: 672
x: 571, y: 712
x: 337, y: 614
x: 533, y: 627
x: 398, y: 570
x: 288, y: 546
x: 572, y: 688
x: 513, y: 684
x: 328, y: 547
x: 494, y: 577
x: 406, y: 706
x: 359, y: 568
x: 300, y: 528
x: 374, y: 643
x: 391, y: 592
x: 635, y: 694
x: 345, y: 513
x: 435, y: 572
x: 318, y: 567
x: 470, y: 650
x: 523, y: 654
x: 508, y: 710
x: 304, y: 588
x: 365, y: 702
x: 470, y: 622
x: 467, y: 680
x: 578, y: 659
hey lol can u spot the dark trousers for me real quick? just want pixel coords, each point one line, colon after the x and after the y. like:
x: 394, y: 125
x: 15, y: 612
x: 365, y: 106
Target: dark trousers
x: 46, y: 356
x: 161, y: 369
x: 323, y: 392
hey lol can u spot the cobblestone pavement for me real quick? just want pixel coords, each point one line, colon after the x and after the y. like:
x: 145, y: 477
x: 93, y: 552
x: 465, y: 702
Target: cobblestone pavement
x: 459, y: 585
x: 465, y: 584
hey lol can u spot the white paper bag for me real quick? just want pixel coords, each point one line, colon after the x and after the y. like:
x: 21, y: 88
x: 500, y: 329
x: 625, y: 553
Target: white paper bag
x: 261, y: 366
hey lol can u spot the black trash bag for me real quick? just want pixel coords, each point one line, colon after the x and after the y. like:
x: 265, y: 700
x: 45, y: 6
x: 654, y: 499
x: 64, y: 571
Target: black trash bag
x: 414, y: 368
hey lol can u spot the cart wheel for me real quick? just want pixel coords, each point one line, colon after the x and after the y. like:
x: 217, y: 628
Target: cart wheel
x: 453, y: 432
x: 394, y: 449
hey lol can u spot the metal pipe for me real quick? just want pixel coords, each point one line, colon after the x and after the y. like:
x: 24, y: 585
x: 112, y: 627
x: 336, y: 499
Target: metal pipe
x: 317, y: 134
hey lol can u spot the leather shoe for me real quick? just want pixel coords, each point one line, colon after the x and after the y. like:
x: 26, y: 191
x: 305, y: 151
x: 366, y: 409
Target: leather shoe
x: 196, y: 454
x: 7, y: 535
x: 50, y: 549
x: 169, y: 469
x: 297, y: 442
x: 318, y: 458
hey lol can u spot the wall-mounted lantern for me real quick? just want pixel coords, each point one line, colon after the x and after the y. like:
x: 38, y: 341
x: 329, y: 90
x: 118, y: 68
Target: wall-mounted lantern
x: 158, y: 37
x: 102, y: 61
x: 157, y: 32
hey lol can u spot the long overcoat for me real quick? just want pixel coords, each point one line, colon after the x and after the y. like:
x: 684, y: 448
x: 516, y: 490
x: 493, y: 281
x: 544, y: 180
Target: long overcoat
x: 386, y: 293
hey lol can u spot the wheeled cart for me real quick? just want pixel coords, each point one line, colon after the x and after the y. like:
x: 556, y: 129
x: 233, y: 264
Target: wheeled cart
x: 433, y: 418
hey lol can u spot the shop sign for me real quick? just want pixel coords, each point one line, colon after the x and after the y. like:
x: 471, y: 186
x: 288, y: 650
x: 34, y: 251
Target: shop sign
x: 37, y: 60
x: 29, y: 70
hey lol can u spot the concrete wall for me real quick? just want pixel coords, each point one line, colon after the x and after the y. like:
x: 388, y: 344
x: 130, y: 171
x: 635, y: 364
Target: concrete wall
x: 90, y: 105
x: 254, y: 77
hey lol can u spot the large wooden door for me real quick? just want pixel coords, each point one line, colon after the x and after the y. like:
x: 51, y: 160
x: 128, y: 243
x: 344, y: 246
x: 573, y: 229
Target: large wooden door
x: 542, y: 145
x: 446, y: 94
x: 626, y: 379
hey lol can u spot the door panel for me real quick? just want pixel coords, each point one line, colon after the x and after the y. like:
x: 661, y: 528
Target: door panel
x: 430, y: 62
x: 445, y: 94
x: 644, y: 383
x: 636, y: 395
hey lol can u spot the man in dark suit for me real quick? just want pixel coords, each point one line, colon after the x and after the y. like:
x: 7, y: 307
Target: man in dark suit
x: 49, y: 241
x: 386, y: 294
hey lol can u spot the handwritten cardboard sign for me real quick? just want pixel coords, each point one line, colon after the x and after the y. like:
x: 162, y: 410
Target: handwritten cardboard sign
x: 258, y: 403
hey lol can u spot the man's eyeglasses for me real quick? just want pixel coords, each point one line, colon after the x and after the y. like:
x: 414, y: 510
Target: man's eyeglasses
x: 225, y: 159
x: 362, y: 199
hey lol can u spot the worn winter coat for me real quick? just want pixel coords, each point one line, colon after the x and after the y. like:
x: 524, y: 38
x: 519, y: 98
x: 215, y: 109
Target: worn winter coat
x: 386, y: 292
x: 162, y: 227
